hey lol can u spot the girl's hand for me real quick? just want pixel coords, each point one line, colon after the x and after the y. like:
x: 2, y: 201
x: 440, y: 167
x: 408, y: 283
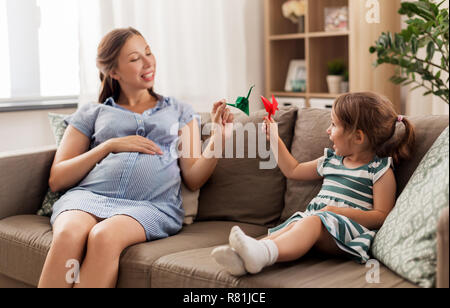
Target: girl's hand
x: 270, y: 129
x: 133, y: 144
x: 222, y: 117
x: 330, y: 208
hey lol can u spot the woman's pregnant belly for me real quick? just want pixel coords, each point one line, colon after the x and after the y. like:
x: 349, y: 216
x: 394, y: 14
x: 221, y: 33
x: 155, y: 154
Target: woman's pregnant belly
x: 135, y: 176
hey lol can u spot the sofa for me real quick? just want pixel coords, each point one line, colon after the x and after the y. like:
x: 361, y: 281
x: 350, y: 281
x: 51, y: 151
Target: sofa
x: 238, y: 193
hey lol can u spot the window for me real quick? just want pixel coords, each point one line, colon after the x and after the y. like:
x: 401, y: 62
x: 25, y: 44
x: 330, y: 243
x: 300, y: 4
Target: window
x: 40, y: 58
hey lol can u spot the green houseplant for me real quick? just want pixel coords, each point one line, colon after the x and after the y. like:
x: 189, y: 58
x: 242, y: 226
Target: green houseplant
x: 336, y: 69
x: 427, y: 30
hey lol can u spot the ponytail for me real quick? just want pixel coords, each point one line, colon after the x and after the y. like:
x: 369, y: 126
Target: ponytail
x: 109, y: 87
x: 400, y: 145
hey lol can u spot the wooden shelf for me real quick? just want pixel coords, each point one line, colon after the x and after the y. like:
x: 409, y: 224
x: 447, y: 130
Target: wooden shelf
x: 317, y: 47
x: 328, y: 34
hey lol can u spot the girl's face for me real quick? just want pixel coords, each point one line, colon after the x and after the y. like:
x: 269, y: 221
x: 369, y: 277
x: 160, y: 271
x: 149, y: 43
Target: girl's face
x: 136, y: 65
x: 341, y: 139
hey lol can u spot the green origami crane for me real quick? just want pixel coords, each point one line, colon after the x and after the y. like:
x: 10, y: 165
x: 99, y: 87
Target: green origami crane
x: 242, y: 103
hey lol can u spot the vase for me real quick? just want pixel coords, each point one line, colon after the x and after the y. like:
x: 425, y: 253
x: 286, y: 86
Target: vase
x: 334, y: 84
x: 301, y: 24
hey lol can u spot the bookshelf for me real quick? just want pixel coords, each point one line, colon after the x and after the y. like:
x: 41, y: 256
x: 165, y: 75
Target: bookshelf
x: 317, y: 47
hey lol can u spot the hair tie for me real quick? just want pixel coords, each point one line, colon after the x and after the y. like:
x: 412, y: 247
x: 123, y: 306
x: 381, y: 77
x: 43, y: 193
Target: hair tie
x: 400, y: 118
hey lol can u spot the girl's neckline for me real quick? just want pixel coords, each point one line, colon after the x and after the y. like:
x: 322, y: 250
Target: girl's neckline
x: 360, y: 167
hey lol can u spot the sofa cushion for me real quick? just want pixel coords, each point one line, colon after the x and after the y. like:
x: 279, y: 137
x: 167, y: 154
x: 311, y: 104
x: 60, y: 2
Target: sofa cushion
x: 59, y: 126
x: 428, y: 129
x: 310, y: 138
x: 25, y: 241
x: 406, y: 242
x: 239, y: 190
x: 197, y: 269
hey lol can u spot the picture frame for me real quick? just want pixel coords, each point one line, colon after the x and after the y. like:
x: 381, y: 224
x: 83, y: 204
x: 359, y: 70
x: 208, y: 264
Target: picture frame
x: 296, y: 77
x: 336, y: 19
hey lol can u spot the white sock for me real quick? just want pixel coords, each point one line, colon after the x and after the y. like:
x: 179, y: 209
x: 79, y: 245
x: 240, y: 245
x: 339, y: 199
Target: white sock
x: 255, y: 254
x: 229, y: 259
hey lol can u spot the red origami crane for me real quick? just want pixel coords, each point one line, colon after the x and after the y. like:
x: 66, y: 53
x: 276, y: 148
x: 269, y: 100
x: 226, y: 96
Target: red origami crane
x: 271, y: 107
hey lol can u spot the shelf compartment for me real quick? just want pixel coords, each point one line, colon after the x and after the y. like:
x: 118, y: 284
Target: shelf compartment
x: 278, y: 24
x: 281, y: 53
x: 316, y: 13
x: 321, y: 51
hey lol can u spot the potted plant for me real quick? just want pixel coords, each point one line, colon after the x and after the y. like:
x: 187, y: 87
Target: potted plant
x: 295, y: 10
x: 344, y: 83
x: 336, y: 69
x: 428, y: 26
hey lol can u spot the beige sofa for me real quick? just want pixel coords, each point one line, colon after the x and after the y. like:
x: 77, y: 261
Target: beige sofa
x: 238, y: 193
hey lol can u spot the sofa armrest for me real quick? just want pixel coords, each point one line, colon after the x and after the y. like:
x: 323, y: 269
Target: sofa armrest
x: 24, y: 180
x: 442, y: 251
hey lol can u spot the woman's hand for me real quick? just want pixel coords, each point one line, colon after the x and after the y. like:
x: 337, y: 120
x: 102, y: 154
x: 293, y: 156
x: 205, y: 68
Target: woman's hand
x: 220, y: 117
x: 133, y: 144
x: 270, y: 127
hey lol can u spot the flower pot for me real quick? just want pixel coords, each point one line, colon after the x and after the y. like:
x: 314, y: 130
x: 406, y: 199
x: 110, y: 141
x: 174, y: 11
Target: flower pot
x: 344, y: 87
x: 334, y: 84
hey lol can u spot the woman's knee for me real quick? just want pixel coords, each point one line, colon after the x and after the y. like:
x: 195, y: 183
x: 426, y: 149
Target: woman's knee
x: 102, y: 241
x: 71, y: 231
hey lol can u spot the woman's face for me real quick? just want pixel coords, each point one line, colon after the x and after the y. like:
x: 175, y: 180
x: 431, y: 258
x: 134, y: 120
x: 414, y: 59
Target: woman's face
x: 136, y: 65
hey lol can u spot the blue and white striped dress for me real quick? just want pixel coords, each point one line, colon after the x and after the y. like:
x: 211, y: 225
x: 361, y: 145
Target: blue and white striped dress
x: 348, y: 188
x: 145, y: 187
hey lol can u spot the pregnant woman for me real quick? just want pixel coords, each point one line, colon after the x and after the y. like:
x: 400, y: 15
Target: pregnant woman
x: 116, y: 161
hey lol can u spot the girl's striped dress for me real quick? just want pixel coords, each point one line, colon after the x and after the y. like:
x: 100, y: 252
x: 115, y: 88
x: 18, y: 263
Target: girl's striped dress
x: 345, y: 187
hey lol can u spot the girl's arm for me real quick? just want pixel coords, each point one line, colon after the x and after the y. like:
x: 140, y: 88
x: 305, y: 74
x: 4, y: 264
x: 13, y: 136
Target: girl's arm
x: 289, y: 166
x: 384, y: 191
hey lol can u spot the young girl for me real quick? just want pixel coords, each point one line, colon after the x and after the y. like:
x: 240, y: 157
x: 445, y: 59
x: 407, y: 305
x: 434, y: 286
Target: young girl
x: 116, y: 163
x: 357, y: 194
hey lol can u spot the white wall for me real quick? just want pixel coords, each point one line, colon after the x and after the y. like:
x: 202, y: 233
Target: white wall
x: 27, y: 129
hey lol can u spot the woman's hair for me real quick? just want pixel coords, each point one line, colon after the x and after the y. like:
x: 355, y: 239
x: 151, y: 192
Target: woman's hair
x: 107, y: 60
x: 388, y: 133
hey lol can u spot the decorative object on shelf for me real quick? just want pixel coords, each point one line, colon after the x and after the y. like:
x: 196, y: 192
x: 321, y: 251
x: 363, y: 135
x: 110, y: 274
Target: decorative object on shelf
x: 243, y: 103
x: 295, y: 10
x: 336, y: 69
x: 428, y: 25
x: 336, y: 19
x: 344, y: 83
x: 296, y: 77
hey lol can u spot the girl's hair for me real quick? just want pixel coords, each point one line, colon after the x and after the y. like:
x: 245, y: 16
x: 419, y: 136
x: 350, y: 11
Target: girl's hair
x: 107, y: 60
x: 388, y: 133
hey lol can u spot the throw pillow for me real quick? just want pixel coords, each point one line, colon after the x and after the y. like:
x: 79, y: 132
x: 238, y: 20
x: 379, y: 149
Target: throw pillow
x: 240, y: 189
x: 190, y: 198
x: 406, y: 243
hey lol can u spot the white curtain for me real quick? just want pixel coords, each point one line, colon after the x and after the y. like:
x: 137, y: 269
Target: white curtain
x: 205, y: 50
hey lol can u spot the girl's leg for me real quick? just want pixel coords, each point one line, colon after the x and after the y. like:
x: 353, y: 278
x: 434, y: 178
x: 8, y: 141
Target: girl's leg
x: 106, y: 242
x: 70, y: 232
x: 303, y: 235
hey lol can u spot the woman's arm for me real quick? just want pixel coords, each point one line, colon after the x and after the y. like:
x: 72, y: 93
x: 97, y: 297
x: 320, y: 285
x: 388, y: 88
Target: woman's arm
x: 196, y: 167
x: 73, y: 161
x: 384, y: 191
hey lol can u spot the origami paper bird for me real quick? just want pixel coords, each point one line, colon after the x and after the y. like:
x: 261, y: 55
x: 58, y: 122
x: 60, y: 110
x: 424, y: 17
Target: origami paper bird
x: 242, y: 103
x: 271, y: 107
